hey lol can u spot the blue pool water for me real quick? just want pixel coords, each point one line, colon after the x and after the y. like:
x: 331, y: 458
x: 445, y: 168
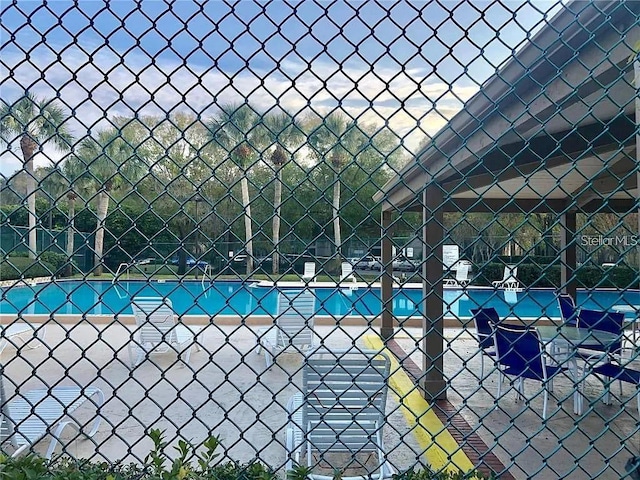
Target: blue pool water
x: 237, y: 298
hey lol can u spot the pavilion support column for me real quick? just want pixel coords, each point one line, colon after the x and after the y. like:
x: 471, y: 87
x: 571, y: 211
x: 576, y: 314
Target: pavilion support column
x: 433, y: 383
x: 568, y: 253
x: 386, y: 329
x: 636, y: 73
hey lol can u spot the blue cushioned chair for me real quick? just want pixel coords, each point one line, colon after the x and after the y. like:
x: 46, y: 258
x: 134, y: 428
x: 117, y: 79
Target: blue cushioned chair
x: 520, y: 354
x: 611, y: 322
x: 568, y: 311
x: 484, y: 320
x: 611, y: 372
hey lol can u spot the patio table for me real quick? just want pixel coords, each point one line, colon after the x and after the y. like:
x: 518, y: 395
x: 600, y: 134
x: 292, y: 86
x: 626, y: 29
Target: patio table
x: 573, y: 338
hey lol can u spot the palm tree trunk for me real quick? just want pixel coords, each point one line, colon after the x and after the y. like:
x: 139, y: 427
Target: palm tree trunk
x: 70, y: 236
x: 248, y: 230
x: 28, y: 147
x: 103, y: 207
x: 336, y: 216
x: 277, y: 201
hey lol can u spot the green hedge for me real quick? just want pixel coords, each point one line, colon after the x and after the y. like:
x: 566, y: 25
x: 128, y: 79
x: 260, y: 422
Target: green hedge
x: 544, y: 275
x: 158, y: 466
x: 57, y: 260
x: 13, y: 268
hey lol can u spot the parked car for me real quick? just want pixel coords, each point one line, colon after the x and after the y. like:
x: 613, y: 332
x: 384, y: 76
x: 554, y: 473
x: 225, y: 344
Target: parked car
x: 367, y: 263
x: 375, y: 264
x: 403, y: 264
x: 191, y: 262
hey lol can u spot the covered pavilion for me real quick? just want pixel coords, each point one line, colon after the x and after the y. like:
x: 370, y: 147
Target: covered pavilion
x: 554, y: 130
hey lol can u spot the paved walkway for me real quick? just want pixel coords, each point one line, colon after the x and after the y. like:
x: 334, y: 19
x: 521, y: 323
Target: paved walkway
x: 594, y: 445
x: 230, y: 393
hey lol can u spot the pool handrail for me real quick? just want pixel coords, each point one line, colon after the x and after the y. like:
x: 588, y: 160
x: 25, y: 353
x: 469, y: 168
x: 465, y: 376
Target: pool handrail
x: 118, y: 273
x: 207, y: 271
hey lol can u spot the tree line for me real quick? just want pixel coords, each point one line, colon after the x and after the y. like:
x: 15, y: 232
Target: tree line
x: 264, y: 174
x: 240, y: 176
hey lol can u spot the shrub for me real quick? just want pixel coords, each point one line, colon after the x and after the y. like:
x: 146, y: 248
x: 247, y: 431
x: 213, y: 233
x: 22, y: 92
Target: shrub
x: 532, y: 275
x: 544, y: 275
x: 13, y: 268
x: 57, y: 260
x: 158, y: 466
x: 613, y: 277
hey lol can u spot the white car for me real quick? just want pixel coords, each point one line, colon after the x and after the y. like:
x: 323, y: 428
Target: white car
x: 367, y: 263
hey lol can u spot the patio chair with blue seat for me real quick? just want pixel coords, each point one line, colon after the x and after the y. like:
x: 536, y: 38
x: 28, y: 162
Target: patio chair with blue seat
x: 612, y: 322
x: 509, y: 279
x: 568, y: 310
x: 610, y: 372
x: 519, y: 353
x: 28, y: 417
x: 158, y: 332
x: 484, y: 320
x: 293, y: 326
x: 569, y: 315
x: 340, y: 409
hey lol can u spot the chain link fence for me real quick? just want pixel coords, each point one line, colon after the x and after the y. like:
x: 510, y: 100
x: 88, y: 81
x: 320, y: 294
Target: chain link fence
x: 300, y: 208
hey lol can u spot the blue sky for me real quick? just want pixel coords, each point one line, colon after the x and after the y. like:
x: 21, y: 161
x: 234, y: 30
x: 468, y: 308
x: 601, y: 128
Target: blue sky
x: 410, y: 65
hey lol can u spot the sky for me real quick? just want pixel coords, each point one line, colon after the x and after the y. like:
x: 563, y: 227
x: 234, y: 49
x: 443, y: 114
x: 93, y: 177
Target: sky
x: 409, y: 66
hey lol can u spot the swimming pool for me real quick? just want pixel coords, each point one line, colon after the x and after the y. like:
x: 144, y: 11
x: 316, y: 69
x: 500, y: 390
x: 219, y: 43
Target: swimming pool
x: 244, y: 299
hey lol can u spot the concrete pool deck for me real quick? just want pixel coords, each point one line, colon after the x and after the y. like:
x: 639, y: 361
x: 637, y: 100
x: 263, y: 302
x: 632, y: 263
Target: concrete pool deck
x: 228, y: 392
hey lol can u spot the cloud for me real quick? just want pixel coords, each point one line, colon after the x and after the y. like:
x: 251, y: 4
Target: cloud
x: 97, y: 85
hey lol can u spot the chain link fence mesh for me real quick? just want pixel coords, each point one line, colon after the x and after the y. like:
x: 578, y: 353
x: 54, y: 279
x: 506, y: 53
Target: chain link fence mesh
x: 199, y: 163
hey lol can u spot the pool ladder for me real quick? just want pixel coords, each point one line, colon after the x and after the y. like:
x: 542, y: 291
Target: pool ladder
x: 206, y: 274
x: 119, y: 271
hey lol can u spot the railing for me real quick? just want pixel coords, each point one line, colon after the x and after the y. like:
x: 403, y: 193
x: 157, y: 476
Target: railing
x: 207, y: 273
x: 123, y: 267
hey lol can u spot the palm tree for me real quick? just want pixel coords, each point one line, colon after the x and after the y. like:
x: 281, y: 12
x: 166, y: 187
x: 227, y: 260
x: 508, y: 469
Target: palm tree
x: 53, y: 185
x: 110, y: 162
x: 35, y: 122
x: 336, y: 141
x: 237, y: 130
x: 73, y: 172
x: 283, y: 132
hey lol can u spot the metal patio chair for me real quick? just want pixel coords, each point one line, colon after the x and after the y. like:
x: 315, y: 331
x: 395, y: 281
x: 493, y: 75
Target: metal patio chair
x: 568, y: 310
x: 22, y: 331
x: 293, y: 326
x: 612, y: 322
x: 462, y: 277
x: 610, y: 372
x: 520, y: 354
x: 347, y: 272
x: 484, y: 320
x: 28, y: 417
x: 309, y: 274
x: 509, y: 279
x: 158, y: 332
x: 340, y: 410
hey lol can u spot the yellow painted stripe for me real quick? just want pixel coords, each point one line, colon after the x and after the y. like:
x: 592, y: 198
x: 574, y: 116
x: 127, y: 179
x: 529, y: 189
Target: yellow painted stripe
x: 441, y: 449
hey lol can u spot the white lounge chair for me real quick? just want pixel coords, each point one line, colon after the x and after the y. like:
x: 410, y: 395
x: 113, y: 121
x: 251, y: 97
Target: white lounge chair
x: 21, y: 331
x: 29, y: 416
x: 158, y: 332
x: 462, y: 277
x: 309, y: 274
x: 347, y: 272
x: 293, y: 325
x: 509, y: 279
x: 340, y: 409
